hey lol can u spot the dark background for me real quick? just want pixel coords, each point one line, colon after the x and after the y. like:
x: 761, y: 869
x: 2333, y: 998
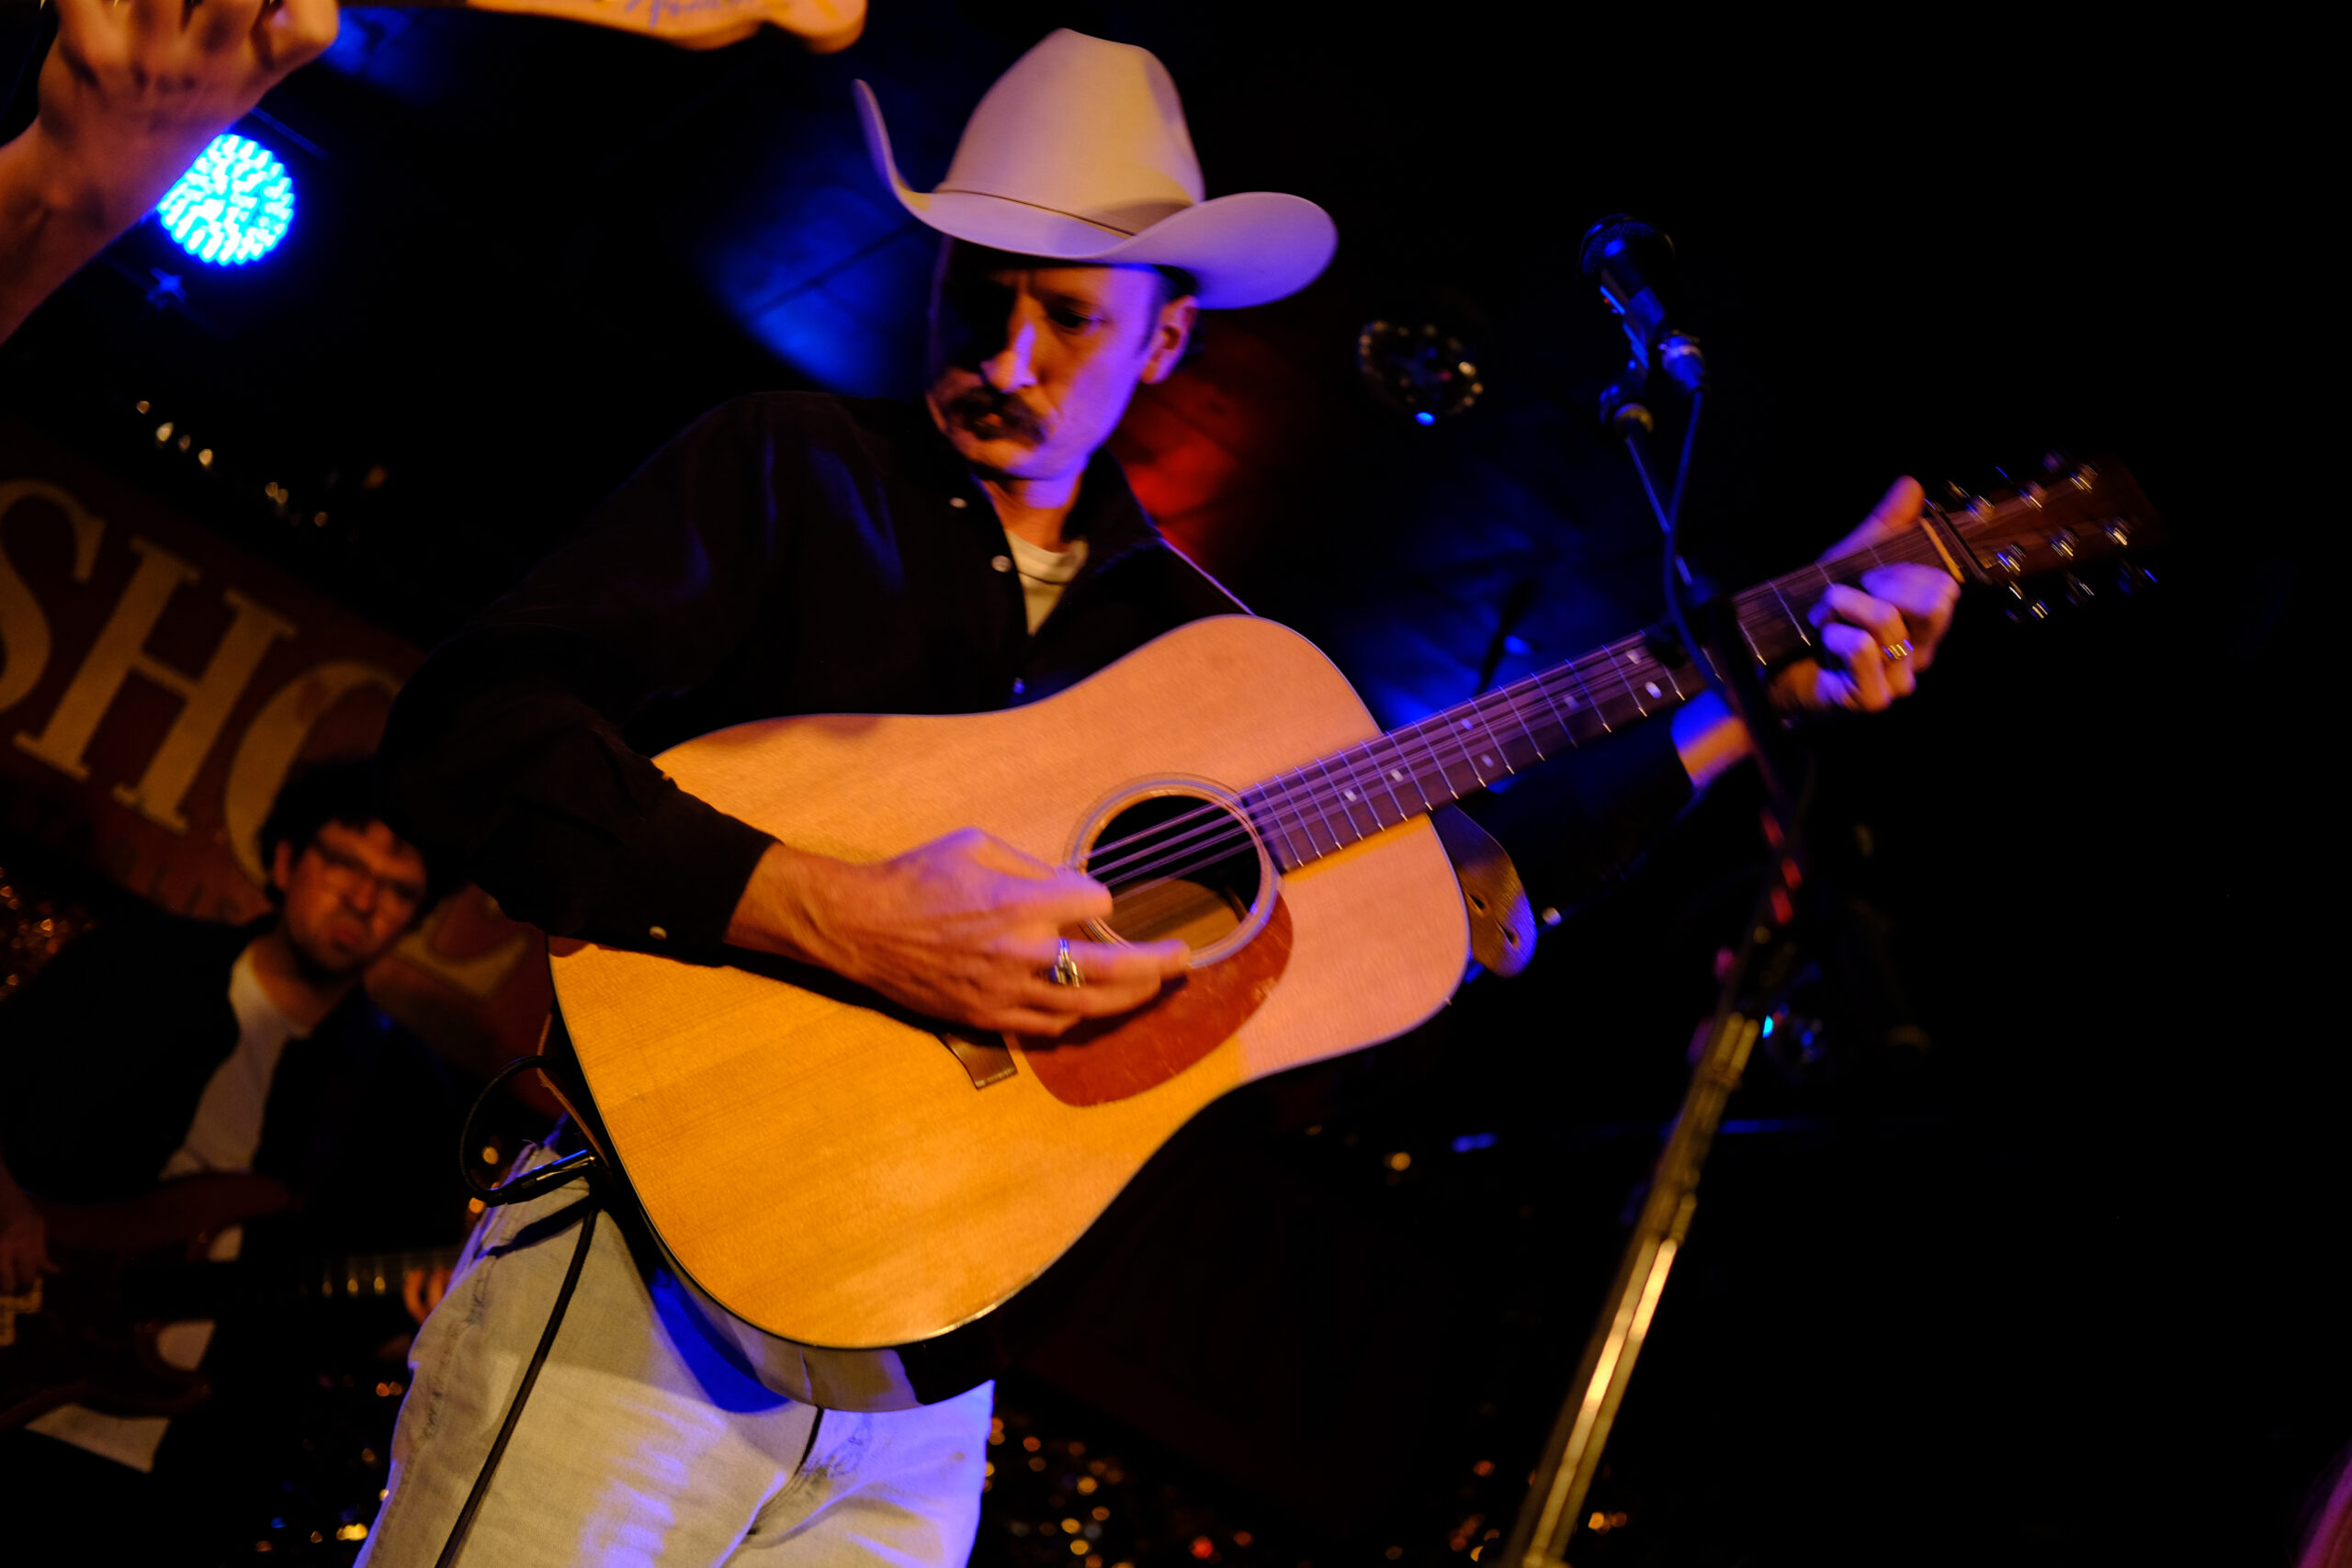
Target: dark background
x: 2033, y: 1265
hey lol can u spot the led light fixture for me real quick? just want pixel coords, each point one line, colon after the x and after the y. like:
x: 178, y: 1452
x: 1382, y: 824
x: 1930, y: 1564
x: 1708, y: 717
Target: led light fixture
x: 233, y: 206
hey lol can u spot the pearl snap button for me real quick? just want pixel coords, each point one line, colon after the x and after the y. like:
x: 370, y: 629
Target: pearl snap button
x: 1002, y: 563
x: 958, y: 502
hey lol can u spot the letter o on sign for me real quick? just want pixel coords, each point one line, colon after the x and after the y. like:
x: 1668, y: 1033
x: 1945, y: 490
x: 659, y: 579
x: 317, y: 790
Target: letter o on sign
x: 266, y: 751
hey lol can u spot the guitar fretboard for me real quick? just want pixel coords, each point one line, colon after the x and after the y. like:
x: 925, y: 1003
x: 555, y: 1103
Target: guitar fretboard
x: 1346, y: 798
x: 368, y: 1274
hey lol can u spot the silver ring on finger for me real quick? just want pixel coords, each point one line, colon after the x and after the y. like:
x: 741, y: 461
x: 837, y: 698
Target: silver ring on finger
x: 1066, y: 971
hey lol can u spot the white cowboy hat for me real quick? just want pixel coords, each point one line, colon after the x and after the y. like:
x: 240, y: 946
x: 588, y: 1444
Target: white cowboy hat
x: 1079, y: 153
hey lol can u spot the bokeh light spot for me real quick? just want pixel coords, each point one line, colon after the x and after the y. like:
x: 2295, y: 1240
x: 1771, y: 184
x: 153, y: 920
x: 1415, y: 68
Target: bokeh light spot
x: 233, y: 206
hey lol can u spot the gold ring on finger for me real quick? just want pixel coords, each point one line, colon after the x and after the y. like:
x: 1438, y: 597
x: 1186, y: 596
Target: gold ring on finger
x: 1896, y: 652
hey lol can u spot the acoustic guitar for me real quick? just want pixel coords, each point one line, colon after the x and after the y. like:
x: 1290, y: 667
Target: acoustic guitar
x: 86, y: 1334
x: 850, y: 1191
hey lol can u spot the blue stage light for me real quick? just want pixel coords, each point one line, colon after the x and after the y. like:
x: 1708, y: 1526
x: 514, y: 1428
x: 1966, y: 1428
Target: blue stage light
x: 233, y: 205
x: 1425, y: 417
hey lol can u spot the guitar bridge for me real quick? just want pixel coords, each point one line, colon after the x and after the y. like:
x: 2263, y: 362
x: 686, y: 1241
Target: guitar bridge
x: 987, y: 1063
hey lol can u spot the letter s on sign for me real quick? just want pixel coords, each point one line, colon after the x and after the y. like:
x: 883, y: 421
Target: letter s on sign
x: 24, y: 629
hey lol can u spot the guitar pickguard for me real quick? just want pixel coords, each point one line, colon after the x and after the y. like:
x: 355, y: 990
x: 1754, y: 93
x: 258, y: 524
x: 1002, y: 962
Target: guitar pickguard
x: 1110, y: 1059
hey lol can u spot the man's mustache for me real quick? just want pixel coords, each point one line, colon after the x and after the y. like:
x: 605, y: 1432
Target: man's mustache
x: 975, y: 405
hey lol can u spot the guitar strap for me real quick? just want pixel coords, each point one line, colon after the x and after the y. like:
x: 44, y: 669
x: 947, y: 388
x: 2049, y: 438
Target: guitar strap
x: 558, y: 1064
x: 582, y: 1130
x: 1502, y: 923
x: 543, y: 1178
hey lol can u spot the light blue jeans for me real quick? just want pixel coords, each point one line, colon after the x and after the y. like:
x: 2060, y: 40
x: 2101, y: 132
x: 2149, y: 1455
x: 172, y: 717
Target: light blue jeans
x: 639, y: 1446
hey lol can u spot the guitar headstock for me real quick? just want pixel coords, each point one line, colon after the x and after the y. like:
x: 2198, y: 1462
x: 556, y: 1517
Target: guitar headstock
x: 2076, y: 515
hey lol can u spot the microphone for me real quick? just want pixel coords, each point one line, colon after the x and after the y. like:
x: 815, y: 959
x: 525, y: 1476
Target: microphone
x: 1633, y: 265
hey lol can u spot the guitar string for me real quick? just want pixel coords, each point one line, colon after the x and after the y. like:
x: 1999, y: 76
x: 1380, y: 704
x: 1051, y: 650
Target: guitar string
x: 1150, y: 849
x: 1531, y: 697
x: 1160, y: 853
x: 1153, y: 850
x: 1290, y: 802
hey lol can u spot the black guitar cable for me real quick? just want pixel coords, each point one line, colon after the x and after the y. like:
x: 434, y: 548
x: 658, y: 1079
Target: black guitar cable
x: 530, y: 1184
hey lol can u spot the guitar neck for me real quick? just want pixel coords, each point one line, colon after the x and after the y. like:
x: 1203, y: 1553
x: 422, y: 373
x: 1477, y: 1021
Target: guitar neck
x: 207, y: 1290
x: 1341, y: 799
x: 366, y: 1275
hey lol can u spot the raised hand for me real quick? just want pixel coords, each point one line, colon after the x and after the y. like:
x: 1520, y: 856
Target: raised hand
x: 24, y: 1240
x: 965, y: 928
x: 135, y: 88
x: 128, y: 96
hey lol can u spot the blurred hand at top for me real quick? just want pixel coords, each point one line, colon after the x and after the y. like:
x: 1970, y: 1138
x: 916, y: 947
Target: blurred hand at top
x: 131, y: 93
x: 134, y: 90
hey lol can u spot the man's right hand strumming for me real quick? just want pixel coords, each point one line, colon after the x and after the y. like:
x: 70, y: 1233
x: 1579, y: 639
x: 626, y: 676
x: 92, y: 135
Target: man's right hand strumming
x: 965, y: 928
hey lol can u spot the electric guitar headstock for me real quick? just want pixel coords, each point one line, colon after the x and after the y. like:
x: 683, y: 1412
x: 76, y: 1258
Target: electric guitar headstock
x: 822, y: 25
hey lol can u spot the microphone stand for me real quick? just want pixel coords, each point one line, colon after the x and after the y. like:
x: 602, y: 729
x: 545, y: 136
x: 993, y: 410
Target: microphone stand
x: 1553, y: 1510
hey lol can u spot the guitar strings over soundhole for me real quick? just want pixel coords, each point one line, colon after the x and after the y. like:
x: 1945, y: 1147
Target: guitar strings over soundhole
x: 1180, y: 865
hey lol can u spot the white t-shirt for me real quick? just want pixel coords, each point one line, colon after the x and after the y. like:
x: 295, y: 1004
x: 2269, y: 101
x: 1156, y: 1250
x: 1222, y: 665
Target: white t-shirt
x: 1044, y: 574
x: 224, y: 1134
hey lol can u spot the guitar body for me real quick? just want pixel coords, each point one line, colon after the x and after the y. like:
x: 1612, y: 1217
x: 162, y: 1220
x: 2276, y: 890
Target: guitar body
x: 835, y: 1185
x: 850, y: 1200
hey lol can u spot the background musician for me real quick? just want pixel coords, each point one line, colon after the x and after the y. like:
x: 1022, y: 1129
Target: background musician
x: 159, y: 1047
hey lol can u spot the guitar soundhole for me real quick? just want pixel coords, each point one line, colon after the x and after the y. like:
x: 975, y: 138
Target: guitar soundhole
x: 1180, y: 865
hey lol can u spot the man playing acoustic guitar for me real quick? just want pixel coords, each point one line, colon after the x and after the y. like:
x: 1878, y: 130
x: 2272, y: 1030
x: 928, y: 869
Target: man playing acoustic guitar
x: 798, y: 554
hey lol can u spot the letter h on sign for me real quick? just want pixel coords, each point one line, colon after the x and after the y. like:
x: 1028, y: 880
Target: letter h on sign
x: 206, y: 699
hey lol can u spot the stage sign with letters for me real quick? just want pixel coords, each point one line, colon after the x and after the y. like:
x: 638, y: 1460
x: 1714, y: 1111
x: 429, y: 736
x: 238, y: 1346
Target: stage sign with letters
x: 158, y: 684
